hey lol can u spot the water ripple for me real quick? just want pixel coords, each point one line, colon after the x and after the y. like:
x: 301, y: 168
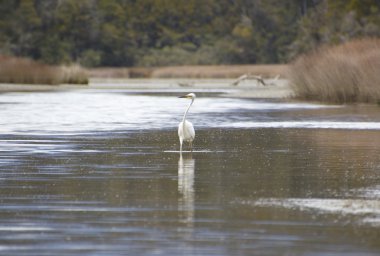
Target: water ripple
x: 306, y: 125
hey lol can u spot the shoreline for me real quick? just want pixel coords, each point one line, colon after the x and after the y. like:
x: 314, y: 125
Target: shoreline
x: 247, y: 89
x: 190, y: 72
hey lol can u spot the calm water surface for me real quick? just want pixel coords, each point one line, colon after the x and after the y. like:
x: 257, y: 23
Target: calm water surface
x: 97, y: 172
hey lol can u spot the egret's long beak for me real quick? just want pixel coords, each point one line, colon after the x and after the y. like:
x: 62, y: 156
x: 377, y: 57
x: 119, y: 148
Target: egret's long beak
x: 184, y: 96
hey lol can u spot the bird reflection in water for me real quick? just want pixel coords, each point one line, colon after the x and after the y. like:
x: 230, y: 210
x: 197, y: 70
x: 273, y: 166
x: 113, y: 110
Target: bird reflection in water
x: 186, y: 165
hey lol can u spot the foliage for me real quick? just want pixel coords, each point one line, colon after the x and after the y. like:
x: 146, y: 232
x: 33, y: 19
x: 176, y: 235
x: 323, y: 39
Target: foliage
x: 178, y: 32
x: 333, y: 22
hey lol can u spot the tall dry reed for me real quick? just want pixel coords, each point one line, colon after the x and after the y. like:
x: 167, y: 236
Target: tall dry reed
x: 339, y: 74
x: 26, y: 71
x: 73, y: 74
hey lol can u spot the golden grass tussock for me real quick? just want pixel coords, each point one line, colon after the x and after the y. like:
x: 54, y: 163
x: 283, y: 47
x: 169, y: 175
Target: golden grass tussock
x: 26, y: 71
x: 339, y: 74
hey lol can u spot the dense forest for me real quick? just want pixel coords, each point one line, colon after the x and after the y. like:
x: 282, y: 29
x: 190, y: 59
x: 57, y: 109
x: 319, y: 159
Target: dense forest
x: 177, y: 32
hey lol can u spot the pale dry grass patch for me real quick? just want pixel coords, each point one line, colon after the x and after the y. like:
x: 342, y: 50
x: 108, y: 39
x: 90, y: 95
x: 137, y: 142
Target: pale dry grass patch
x: 109, y: 72
x: 340, y: 74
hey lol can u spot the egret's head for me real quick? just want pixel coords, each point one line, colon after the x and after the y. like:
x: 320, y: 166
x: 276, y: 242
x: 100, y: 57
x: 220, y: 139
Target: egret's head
x: 189, y: 96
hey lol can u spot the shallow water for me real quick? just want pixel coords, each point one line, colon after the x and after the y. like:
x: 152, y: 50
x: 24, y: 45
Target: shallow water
x: 98, y: 172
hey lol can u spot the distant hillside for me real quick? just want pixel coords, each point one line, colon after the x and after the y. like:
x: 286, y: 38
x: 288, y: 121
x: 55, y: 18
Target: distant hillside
x: 150, y: 33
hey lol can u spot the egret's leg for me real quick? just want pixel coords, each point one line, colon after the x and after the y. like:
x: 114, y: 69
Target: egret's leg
x: 191, y: 146
x: 180, y: 147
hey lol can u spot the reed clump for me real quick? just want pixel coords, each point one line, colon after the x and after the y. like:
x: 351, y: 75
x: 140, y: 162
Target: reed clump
x: 345, y: 73
x: 26, y: 71
x: 73, y: 74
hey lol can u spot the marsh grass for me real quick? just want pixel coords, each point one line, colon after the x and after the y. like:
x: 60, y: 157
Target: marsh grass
x: 341, y: 74
x: 27, y: 71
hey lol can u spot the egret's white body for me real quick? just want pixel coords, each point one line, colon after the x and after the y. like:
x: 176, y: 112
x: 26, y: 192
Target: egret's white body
x: 186, y: 132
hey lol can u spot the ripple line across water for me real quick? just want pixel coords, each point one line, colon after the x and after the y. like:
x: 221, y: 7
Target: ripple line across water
x: 307, y: 124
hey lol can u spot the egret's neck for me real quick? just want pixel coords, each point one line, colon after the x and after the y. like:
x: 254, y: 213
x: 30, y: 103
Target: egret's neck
x: 187, y: 110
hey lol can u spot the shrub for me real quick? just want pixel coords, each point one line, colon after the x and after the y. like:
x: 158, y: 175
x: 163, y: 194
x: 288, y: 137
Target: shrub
x: 224, y: 51
x: 90, y: 58
x: 339, y: 74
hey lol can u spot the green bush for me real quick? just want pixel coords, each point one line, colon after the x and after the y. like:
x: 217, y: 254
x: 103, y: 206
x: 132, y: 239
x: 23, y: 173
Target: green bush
x: 90, y: 58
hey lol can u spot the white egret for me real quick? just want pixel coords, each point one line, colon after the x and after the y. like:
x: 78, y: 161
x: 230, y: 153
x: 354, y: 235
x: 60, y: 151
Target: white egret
x: 186, y: 131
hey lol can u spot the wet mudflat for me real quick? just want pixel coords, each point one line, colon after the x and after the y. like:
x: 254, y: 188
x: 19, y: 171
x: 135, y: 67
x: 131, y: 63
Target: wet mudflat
x: 98, y: 173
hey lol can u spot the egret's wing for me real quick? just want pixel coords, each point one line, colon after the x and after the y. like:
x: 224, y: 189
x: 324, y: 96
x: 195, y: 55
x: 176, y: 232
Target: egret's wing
x: 186, y: 132
x: 190, y: 130
x: 180, y: 130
